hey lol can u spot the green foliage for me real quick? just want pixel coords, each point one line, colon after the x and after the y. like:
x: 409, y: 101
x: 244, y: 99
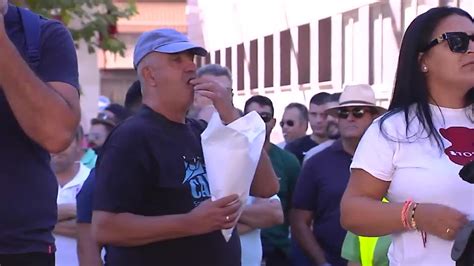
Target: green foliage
x: 93, y: 21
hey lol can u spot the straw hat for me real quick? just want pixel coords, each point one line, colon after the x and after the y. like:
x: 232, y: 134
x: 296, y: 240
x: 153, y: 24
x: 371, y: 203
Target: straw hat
x: 356, y: 95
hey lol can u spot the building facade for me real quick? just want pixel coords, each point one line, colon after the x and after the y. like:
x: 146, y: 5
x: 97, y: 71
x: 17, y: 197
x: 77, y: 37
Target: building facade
x: 290, y: 50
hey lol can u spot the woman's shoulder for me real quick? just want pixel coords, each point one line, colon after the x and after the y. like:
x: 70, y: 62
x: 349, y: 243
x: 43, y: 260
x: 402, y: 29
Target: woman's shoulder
x: 399, y: 122
x: 390, y: 121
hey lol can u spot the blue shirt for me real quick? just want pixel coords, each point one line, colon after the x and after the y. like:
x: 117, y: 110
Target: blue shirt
x: 151, y: 166
x: 84, y: 199
x: 28, y: 187
x: 319, y: 189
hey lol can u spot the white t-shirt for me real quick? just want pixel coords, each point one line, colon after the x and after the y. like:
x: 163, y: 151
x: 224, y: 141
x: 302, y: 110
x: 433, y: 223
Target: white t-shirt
x: 418, y: 170
x: 251, y: 243
x: 282, y: 145
x: 66, y: 247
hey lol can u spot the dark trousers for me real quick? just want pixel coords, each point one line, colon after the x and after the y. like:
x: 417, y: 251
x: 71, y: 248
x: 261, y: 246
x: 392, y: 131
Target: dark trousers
x: 298, y: 257
x: 27, y: 259
x: 275, y: 257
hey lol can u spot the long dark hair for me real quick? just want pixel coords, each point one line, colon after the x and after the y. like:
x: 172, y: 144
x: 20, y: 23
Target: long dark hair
x: 410, y: 82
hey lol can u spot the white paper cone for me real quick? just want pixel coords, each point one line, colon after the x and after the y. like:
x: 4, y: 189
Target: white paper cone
x: 231, y: 155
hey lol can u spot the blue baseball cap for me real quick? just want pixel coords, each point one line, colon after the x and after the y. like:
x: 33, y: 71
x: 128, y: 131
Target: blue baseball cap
x: 166, y: 41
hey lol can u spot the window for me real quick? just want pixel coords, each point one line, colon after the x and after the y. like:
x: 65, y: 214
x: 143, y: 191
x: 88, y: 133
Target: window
x: 240, y: 67
x: 303, y: 54
x: 217, y: 57
x: 253, y: 64
x: 268, y: 64
x: 325, y: 49
x: 285, y: 52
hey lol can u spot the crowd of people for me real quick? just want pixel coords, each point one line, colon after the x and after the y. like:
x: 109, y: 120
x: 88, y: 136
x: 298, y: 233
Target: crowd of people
x: 367, y: 186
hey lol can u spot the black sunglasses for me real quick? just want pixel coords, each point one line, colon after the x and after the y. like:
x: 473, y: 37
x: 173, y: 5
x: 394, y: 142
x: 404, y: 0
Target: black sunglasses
x: 290, y: 123
x: 458, y: 41
x: 343, y: 113
x: 266, y: 117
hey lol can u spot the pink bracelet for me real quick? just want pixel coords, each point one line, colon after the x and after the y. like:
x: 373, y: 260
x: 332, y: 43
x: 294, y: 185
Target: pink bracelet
x: 404, y: 214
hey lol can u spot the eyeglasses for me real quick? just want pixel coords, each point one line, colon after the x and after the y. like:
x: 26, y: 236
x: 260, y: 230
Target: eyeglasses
x: 266, y: 117
x: 458, y: 41
x: 290, y: 123
x: 343, y: 113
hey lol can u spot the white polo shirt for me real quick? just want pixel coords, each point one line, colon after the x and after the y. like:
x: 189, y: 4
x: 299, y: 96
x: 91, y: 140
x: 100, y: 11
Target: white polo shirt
x: 251, y: 244
x: 66, y: 247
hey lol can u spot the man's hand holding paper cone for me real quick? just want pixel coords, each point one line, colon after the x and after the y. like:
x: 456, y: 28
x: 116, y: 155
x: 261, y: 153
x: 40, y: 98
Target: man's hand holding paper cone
x: 215, y: 215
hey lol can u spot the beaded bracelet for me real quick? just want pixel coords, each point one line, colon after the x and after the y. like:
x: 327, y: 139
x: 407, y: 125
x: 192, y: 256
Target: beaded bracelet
x: 412, y: 217
x: 404, y: 214
x: 408, y: 221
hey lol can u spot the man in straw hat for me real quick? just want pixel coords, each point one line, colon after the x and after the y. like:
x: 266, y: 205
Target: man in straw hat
x: 324, y: 177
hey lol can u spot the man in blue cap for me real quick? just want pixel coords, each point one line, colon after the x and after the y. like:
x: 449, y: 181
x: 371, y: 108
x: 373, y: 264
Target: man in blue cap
x: 152, y: 203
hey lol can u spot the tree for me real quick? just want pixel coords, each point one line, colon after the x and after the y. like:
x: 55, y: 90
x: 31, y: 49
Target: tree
x: 94, y: 21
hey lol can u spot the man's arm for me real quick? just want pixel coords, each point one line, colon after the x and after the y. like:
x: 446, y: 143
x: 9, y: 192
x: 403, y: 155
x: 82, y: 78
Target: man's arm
x: 262, y: 213
x: 126, y: 229
x: 265, y: 182
x: 66, y: 211
x: 243, y: 228
x: 66, y: 228
x: 47, y: 112
x: 66, y: 225
x: 301, y: 232
x: 88, y: 250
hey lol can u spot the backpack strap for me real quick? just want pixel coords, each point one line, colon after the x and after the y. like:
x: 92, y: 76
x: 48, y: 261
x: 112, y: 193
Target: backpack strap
x: 32, y: 30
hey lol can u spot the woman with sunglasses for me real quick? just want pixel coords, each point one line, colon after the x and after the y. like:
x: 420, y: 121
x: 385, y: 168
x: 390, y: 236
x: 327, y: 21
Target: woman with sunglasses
x: 414, y: 152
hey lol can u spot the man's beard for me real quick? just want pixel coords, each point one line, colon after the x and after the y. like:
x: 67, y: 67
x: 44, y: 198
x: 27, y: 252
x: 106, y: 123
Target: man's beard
x: 332, y: 130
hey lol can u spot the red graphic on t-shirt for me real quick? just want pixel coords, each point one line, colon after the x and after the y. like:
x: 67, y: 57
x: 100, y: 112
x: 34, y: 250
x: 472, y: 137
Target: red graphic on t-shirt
x: 462, y: 139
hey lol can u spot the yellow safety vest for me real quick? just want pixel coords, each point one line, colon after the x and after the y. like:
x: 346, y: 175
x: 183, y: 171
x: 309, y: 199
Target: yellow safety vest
x: 367, y: 248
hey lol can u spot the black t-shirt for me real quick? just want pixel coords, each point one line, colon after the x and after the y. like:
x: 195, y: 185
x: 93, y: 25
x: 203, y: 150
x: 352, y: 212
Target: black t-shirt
x: 152, y: 166
x: 28, y: 187
x: 300, y: 146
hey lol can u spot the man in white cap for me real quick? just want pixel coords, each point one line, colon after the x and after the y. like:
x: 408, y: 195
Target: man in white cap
x: 152, y: 203
x: 324, y: 178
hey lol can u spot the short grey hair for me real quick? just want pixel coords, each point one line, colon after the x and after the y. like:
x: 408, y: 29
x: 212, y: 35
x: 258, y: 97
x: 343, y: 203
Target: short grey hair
x: 214, y: 70
x: 301, y: 109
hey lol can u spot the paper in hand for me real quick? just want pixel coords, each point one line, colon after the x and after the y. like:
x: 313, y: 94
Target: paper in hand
x: 231, y: 154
